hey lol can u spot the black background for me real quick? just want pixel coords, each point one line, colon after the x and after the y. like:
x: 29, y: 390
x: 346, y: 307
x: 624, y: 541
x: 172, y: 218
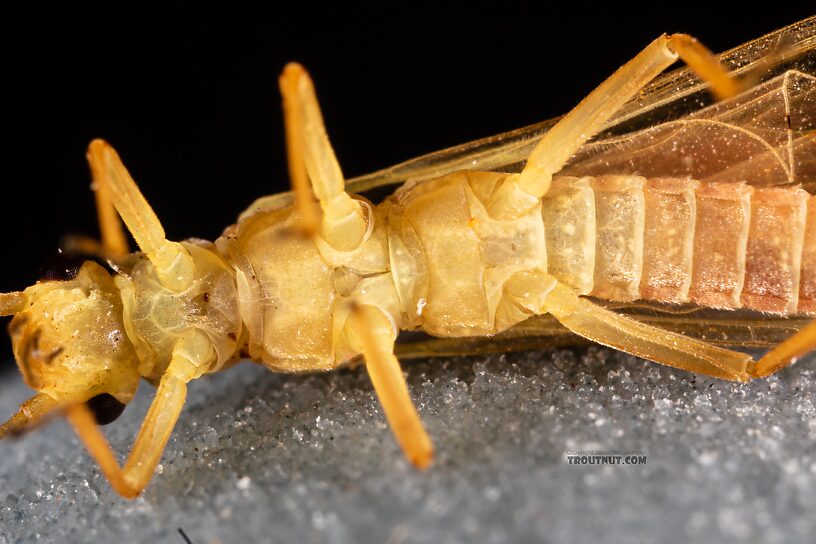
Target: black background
x: 188, y: 94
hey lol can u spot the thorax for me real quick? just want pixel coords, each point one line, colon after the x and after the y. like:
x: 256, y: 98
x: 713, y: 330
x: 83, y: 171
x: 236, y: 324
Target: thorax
x: 156, y: 317
x: 294, y: 291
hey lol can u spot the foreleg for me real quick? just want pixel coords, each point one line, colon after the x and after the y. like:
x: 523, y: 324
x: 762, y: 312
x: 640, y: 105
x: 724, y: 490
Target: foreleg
x: 174, y: 265
x: 190, y: 352
x: 32, y: 412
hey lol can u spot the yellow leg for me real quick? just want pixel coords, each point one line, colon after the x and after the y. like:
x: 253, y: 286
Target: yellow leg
x: 146, y: 452
x: 703, y: 63
x: 606, y: 327
x: 299, y: 177
x: 76, y: 243
x: 786, y: 353
x: 375, y: 335
x: 114, y: 242
x: 344, y: 223
x: 523, y: 294
x: 31, y: 412
x: 520, y: 192
x: 174, y: 265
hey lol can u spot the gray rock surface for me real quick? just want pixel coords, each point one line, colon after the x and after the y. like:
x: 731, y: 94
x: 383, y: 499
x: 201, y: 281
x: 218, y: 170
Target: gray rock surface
x: 260, y: 457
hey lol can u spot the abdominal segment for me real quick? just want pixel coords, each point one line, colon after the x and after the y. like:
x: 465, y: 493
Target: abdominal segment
x: 721, y: 245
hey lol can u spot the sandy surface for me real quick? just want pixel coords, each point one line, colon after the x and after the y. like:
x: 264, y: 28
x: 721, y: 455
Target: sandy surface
x: 260, y: 457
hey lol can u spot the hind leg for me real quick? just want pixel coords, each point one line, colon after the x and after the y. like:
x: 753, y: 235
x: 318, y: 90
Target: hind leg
x: 518, y: 193
x: 537, y: 293
x: 786, y: 353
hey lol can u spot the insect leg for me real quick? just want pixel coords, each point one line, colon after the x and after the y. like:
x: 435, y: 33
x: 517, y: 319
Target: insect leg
x: 298, y: 176
x: 174, y: 265
x: 189, y: 352
x: 30, y: 413
x: 520, y: 192
x: 374, y: 333
x: 705, y: 65
x: 114, y: 242
x: 344, y: 221
x: 786, y: 353
x: 77, y: 243
x: 606, y: 327
x: 11, y: 303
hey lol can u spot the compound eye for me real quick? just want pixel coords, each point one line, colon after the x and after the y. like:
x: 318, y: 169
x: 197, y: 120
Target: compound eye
x: 106, y: 409
x: 65, y: 265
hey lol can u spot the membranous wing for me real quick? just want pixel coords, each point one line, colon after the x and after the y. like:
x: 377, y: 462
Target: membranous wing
x: 741, y: 329
x: 775, y: 116
x: 764, y: 136
x: 668, y: 99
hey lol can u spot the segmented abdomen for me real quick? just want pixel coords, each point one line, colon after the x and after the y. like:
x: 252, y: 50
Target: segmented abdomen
x: 722, y: 245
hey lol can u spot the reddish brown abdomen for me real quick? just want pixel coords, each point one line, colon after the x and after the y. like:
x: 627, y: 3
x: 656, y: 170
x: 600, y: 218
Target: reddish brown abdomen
x: 722, y: 245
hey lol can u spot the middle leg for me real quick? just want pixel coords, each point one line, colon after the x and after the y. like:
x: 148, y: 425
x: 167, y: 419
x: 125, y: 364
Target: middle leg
x: 372, y: 332
x: 311, y: 157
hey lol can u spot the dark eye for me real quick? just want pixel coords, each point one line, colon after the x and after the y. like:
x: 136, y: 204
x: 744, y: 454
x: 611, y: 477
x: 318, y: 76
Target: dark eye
x: 65, y: 265
x: 105, y: 408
